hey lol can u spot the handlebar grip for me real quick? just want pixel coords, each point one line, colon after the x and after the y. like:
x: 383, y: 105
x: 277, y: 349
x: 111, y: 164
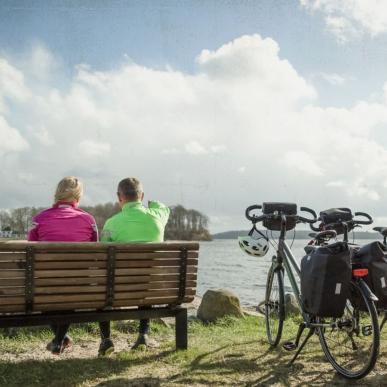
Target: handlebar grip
x: 363, y: 214
x: 306, y: 209
x: 251, y: 208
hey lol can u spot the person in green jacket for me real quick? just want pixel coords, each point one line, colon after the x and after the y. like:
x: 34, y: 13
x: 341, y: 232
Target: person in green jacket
x: 135, y: 223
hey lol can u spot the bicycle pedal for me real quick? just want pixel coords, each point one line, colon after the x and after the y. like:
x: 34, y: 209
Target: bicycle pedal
x: 289, y: 346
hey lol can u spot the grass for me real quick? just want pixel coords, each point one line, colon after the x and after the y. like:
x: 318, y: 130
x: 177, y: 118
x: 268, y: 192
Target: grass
x: 231, y: 352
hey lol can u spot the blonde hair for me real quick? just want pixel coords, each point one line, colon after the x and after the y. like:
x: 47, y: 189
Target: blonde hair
x: 68, y: 189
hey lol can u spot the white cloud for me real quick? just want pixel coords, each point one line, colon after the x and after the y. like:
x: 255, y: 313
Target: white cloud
x: 337, y: 183
x: 303, y: 162
x: 11, y: 140
x: 91, y: 148
x: 252, y: 123
x: 195, y: 148
x: 349, y: 19
x: 334, y: 79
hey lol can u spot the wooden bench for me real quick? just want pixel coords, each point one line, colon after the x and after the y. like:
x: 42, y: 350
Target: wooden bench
x: 44, y: 282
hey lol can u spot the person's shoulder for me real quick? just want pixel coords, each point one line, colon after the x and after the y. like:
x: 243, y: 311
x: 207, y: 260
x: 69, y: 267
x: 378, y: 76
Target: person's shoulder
x: 85, y: 214
x: 43, y: 214
x: 113, y: 219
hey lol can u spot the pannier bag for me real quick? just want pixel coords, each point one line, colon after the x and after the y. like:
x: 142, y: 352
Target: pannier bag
x: 284, y: 208
x: 373, y: 257
x: 325, y: 279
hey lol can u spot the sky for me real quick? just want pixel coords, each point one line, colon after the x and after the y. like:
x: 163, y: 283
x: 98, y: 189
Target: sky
x: 215, y: 105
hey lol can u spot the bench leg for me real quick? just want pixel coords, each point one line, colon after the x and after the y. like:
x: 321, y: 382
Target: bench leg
x: 181, y: 329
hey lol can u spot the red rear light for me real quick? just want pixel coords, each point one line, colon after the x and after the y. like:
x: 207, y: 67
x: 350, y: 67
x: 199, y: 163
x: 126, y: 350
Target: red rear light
x: 360, y: 272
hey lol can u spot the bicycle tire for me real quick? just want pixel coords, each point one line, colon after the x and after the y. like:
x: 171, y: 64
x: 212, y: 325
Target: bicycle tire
x: 356, y: 334
x: 274, y: 305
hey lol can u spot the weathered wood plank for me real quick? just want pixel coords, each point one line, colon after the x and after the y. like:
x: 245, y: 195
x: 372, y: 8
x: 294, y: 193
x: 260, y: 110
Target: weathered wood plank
x: 102, y: 272
x: 102, y: 264
x: 102, y: 289
x: 96, y: 246
x: 7, y: 256
x: 102, y: 280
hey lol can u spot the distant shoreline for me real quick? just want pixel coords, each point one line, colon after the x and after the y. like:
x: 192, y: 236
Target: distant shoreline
x: 300, y: 234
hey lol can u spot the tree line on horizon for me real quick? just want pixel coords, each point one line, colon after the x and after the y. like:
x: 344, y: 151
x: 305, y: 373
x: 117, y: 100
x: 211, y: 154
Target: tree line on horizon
x: 183, y: 224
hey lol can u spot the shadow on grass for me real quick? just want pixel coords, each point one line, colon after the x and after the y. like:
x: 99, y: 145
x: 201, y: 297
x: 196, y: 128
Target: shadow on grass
x: 243, y: 363
x: 135, y: 382
x: 72, y: 372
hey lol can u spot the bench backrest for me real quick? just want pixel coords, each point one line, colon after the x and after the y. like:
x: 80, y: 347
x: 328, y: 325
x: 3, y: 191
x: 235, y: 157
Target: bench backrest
x: 44, y: 277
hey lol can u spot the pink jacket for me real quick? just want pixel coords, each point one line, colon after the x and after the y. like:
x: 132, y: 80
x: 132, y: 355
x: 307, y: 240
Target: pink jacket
x: 64, y: 222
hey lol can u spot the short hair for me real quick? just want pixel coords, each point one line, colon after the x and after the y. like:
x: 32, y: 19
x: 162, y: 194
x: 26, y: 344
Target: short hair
x: 130, y: 188
x: 69, y: 189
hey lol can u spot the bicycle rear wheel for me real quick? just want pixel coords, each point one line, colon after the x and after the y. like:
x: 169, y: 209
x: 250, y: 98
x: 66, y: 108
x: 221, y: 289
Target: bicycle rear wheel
x: 351, y: 343
x: 274, y: 305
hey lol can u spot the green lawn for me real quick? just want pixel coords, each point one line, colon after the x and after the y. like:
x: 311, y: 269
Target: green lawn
x: 231, y: 352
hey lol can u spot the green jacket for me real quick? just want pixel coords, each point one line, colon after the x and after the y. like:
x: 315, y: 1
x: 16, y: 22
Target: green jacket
x: 136, y: 223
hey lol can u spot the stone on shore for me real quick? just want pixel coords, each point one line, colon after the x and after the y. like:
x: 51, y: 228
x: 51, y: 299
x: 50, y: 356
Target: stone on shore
x: 219, y: 303
x: 291, y: 305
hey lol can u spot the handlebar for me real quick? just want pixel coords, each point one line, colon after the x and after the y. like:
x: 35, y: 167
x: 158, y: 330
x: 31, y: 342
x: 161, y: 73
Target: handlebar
x: 350, y: 224
x: 255, y: 219
x: 363, y: 214
x: 306, y: 220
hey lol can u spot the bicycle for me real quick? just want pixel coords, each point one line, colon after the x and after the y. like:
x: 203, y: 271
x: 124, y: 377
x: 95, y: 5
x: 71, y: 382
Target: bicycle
x: 345, y: 227
x: 346, y: 341
x: 383, y: 232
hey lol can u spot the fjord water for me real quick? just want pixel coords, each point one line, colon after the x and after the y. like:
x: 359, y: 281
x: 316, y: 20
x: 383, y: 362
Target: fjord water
x: 222, y: 264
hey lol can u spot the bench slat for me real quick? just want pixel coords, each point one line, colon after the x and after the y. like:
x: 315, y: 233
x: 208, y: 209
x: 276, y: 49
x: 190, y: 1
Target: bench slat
x: 14, y: 290
x: 96, y: 246
x: 7, y: 256
x: 12, y: 281
x: 92, y: 297
x: 11, y: 274
x: 101, y: 272
x: 118, y: 280
x: 102, y: 264
x: 102, y: 256
x: 102, y: 288
x: 16, y: 264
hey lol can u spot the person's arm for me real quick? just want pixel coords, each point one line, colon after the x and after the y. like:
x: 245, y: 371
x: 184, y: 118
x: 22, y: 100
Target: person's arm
x: 106, y: 235
x: 94, y: 234
x: 159, y: 210
x: 33, y: 233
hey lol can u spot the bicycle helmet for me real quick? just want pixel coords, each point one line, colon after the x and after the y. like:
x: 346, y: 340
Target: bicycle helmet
x: 257, y: 247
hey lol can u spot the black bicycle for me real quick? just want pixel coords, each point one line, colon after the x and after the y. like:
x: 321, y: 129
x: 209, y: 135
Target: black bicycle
x: 383, y: 311
x: 351, y: 342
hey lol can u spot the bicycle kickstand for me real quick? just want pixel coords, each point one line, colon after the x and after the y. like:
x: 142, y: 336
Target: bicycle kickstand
x: 384, y: 321
x: 308, y: 336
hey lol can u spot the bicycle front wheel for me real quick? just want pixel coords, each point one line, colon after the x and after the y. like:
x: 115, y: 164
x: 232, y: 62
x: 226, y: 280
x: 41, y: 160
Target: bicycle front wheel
x: 351, y: 343
x: 274, y: 305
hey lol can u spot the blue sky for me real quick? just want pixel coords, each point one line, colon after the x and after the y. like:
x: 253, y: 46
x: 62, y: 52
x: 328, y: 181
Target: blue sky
x: 198, y: 96
x: 161, y: 33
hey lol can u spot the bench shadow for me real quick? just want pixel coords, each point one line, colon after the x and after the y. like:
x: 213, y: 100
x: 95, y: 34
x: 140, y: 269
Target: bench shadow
x: 72, y: 372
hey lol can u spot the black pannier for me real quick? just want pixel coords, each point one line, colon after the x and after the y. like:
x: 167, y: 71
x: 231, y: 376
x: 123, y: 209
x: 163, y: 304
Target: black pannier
x: 284, y: 208
x: 325, y: 279
x: 373, y: 257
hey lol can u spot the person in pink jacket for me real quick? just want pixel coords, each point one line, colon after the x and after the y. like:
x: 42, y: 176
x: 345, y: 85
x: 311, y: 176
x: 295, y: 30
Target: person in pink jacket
x: 64, y: 222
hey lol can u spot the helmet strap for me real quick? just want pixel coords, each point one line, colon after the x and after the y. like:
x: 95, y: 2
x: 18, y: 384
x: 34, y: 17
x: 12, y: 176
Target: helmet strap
x: 251, y: 232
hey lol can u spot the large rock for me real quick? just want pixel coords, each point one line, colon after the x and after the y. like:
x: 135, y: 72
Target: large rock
x: 219, y: 303
x: 291, y: 304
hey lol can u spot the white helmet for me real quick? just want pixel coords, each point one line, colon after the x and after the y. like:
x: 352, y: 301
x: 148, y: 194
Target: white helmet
x: 254, y: 246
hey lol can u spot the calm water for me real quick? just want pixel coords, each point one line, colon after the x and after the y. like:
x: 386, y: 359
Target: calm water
x: 222, y: 264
